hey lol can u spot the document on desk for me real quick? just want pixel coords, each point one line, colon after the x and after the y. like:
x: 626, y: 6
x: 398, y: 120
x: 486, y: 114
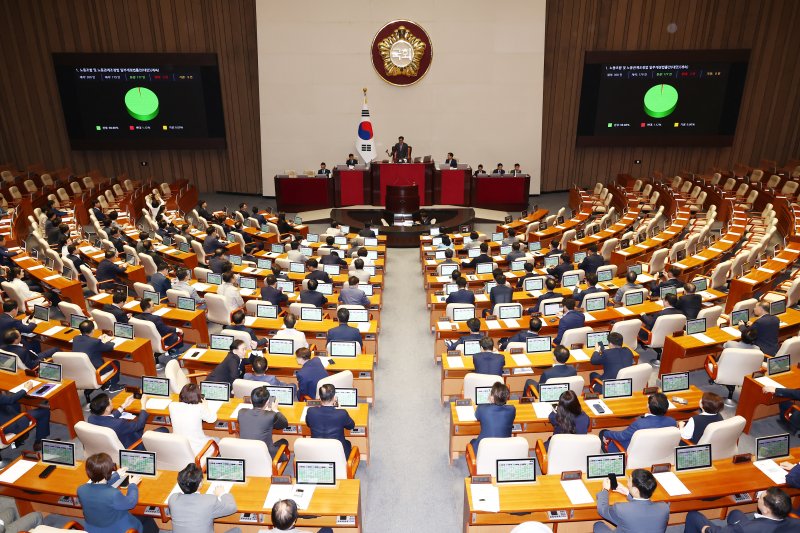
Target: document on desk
x: 235, y: 414
x: 624, y: 311
x: 579, y: 355
x: 303, y: 414
x: 485, y: 497
x: 588, y: 316
x: 249, y: 320
x: 52, y: 331
x: 767, y: 270
x: 511, y: 322
x: 363, y: 327
x: 481, y: 298
x: 593, y: 406
x: 772, y: 470
x: 734, y: 332
x: 493, y: 324
x: 21, y: 386
x: 769, y: 382
x: 200, y: 287
x: 521, y: 359
x: 577, y: 492
x: 131, y: 305
x: 246, y: 292
x: 157, y: 404
x: 161, y: 312
x: 542, y: 409
x: 702, y: 337
x: 16, y: 471
x: 51, y: 278
x: 301, y: 494
x: 442, y: 279
x: 98, y: 297
x: 705, y: 295
x: 455, y: 361
x: 671, y: 483
x: 465, y: 413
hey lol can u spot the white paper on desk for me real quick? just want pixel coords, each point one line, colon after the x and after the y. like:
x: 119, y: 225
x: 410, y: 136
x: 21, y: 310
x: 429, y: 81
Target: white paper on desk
x: 748, y: 280
x: 430, y: 262
x: 16, y: 471
x: 658, y: 239
x: 593, y: 403
x: 579, y: 355
x: 303, y: 414
x: 705, y: 295
x: 485, y: 497
x: 301, y: 494
x: 363, y: 327
x: 670, y: 482
x: 200, y: 287
x: 249, y: 320
x: 157, y: 404
x: 577, y: 492
x: 766, y: 381
x: 644, y: 278
x: 175, y: 490
x: 326, y: 361
x: 511, y: 322
x: 51, y: 278
x: 542, y: 410
x: 455, y: 361
x: 588, y: 316
x: 246, y: 292
x: 622, y: 252
x: 624, y: 311
x: 726, y: 241
x: 163, y: 311
x: 771, y: 469
x: 127, y: 416
x: 52, y: 331
x: 35, y: 267
x: 481, y: 298
x: 783, y: 324
x: 493, y: 324
x: 767, y: 270
x: 702, y: 337
x: 22, y: 385
x: 235, y: 414
x: 734, y: 332
x: 465, y: 413
x: 97, y: 297
x: 521, y: 359
x: 782, y: 260
x: 131, y: 305
x: 442, y: 279
x: 117, y: 341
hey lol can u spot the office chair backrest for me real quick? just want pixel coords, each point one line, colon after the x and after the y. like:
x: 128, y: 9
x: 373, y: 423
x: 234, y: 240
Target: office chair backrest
x: 98, y: 439
x: 723, y: 436
x: 652, y: 446
x: 736, y: 363
x: 340, y: 380
x: 472, y: 380
x: 257, y: 460
x: 568, y: 452
x: 491, y: 449
x: 308, y: 449
x: 639, y: 374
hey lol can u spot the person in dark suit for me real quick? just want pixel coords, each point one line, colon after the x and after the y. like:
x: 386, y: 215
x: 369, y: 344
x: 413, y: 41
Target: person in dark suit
x: 516, y: 253
x: 312, y: 296
x: 649, y: 321
x: 591, y: 282
x: 592, y: 261
x: 237, y: 324
x: 568, y: 418
x: 479, y: 171
x: 564, y: 265
x: 666, y: 280
x: 261, y: 219
x: 271, y: 294
x: 571, y: 318
x: 328, y: 422
x: 211, y: 242
x: 767, y: 328
x: 128, y: 431
x: 528, y: 274
x: 550, y: 288
x: 58, y: 236
x: 171, y: 333
x: 487, y: 361
x: 344, y: 332
x: 613, y: 359
x: 231, y: 368
x: 400, y: 151
x: 98, y: 211
x: 160, y: 280
x: 323, y: 170
x: 94, y: 348
x: 711, y: 406
x: 10, y: 407
x: 202, y: 210
x: 658, y: 404
x: 554, y: 248
x: 462, y: 295
x: 9, y: 320
x: 637, y: 515
x: 108, y: 272
x: 560, y: 369
x: 534, y: 326
x: 115, y: 307
x: 474, y: 326
x: 499, y: 169
x: 484, y: 257
x: 367, y: 231
x: 12, y: 342
x: 774, y: 506
x: 259, y: 422
x: 218, y: 261
x: 690, y: 303
x: 5, y: 255
x: 115, y: 238
x: 451, y: 161
x: 314, y: 272
x: 351, y: 160
x: 792, y: 395
x: 496, y: 418
x: 500, y: 293
x: 309, y: 373
x: 333, y: 258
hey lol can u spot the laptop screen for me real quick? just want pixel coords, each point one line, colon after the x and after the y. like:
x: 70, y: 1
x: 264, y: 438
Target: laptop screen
x: 534, y: 246
x: 155, y: 386
x: 599, y: 466
x: 313, y: 314
x: 637, y: 268
x: 692, y: 457
x: 341, y: 239
x: 552, y: 308
x: 552, y: 392
x: 518, y: 266
x: 482, y: 395
x: 446, y: 270
x: 124, y: 331
x: 497, y: 237
x: 346, y: 397
x: 75, y: 321
x: 315, y: 473
x: 674, y: 382
x: 633, y: 298
x: 664, y: 291
x: 342, y: 348
x: 214, y: 279
x: 570, y: 280
x: 700, y: 284
x: 286, y: 286
x: 215, y: 391
x: 41, y: 313
x: 550, y: 261
x: 471, y: 347
x: 604, y: 275
x: 266, y: 311
x: 510, y: 312
x: 538, y: 344
x: 594, y: 304
x: 325, y: 288
x: 772, y: 447
x: 484, y: 268
x: 450, y: 288
x: 184, y: 247
x: 332, y: 270
x: 67, y: 273
x: 742, y: 315
x: 578, y: 257
x: 50, y: 371
x: 138, y: 463
x: 697, y: 325
x: 617, y: 388
x: 297, y: 268
x: 277, y: 248
x: 533, y: 284
x: 264, y: 263
x: 505, y: 250
x: 8, y: 363
x: 247, y: 283
x: 595, y: 336
x: 186, y: 304
x: 779, y: 364
x: 281, y: 346
x: 368, y: 289
x: 284, y: 395
x: 778, y: 307
x: 516, y: 470
x: 312, y: 237
x: 461, y: 314
x: 57, y: 452
x: 359, y: 315
x: 153, y: 296
x: 221, y: 342
x: 235, y: 259
x: 225, y: 469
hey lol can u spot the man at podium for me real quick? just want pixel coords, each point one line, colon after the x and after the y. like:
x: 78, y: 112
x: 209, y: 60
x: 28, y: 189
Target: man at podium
x: 351, y: 160
x: 451, y: 161
x: 401, y: 151
x: 323, y: 170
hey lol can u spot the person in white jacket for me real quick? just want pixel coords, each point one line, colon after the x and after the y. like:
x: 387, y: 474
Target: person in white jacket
x: 188, y: 415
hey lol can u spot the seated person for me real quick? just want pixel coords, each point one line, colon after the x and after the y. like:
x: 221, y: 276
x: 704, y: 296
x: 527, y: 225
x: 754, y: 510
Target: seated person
x: 474, y: 326
x: 451, y: 161
x: 312, y: 296
x: 188, y: 414
x: 231, y: 367
x: 657, y: 404
x: 774, y: 506
x: 571, y: 318
x: 560, y: 369
x: 218, y: 262
x: 284, y: 517
x: 22, y: 288
x: 488, y: 361
x: 272, y: 294
x: 359, y: 272
x: 344, y: 332
x: 564, y: 265
x: 484, y: 257
x: 128, y: 431
x: 479, y: 171
x: 511, y: 237
x: 630, y: 284
x: 363, y: 254
x: 784, y: 406
x: 500, y: 293
x: 648, y: 321
x: 333, y: 258
x: 746, y: 342
x: 528, y: 266
x: 554, y: 248
x: 767, y: 328
x: 613, y: 359
x: 323, y: 170
x: 328, y: 422
x: 534, y: 326
x: 499, y: 169
x: 183, y: 284
x: 352, y: 295
x: 160, y: 280
x: 259, y: 422
x: 592, y: 287
x: 170, y: 334
x: 12, y: 343
x: 550, y: 285
x: 667, y: 279
x: 474, y: 241
x: 10, y: 407
x: 13, y: 522
x: 367, y: 231
x: 710, y: 408
x: 237, y: 324
x: 638, y: 513
x: 691, y: 303
x: 446, y: 243
x: 309, y: 373
x: 294, y: 254
x: 462, y: 295
x: 592, y: 261
x: 94, y: 348
x: 260, y: 365
x: 496, y: 418
x: 8, y: 320
x: 515, y: 253
x: 194, y: 512
x: 569, y: 417
x: 314, y: 272
x: 517, y: 170
x: 289, y: 332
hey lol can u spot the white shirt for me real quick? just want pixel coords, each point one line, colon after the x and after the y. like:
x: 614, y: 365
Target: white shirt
x: 298, y: 337
x: 295, y: 256
x: 362, y: 275
x: 688, y: 429
x: 23, y: 290
x: 187, y: 420
x: 233, y: 300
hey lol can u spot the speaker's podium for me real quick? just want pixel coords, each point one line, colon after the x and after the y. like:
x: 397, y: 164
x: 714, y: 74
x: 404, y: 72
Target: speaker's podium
x: 402, y: 174
x: 352, y: 185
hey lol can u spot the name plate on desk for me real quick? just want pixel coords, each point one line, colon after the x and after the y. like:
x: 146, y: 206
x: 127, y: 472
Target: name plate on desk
x: 313, y: 403
x: 661, y: 467
x: 742, y: 458
x: 281, y: 480
x: 477, y: 480
x: 463, y: 403
x: 571, y: 474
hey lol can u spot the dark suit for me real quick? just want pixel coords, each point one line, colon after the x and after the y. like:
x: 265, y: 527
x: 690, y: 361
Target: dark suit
x: 452, y: 163
x: 501, y: 294
x: 656, y: 289
x: 107, y: 271
x: 203, y: 212
x: 307, y: 378
x: 351, y: 162
x: 738, y: 522
x: 571, y: 320
x: 258, y: 424
x: 128, y: 431
x: 461, y: 296
x: 161, y: 284
x: 211, y: 243
x: 162, y: 328
x: 119, y: 314
x: 690, y: 305
x: 496, y: 422
x: 521, y: 336
x: 7, y: 322
x: 98, y: 214
x: 591, y: 263
x: 489, y: 363
x: 498, y: 171
x: 324, y: 172
x: 400, y: 151
x: 314, y: 298
x: 558, y: 270
x: 249, y: 331
x: 5, y: 256
x: 767, y: 328
x: 650, y: 320
x: 555, y: 371
x: 368, y: 233
x: 644, y: 422
x: 328, y: 422
x: 28, y: 357
x: 633, y: 516
x: 612, y: 360
x: 55, y: 236
x: 792, y: 395
x: 332, y: 259
x: 580, y: 295
x: 118, y: 243
x: 320, y: 276
x: 95, y: 348
x: 77, y: 261
x: 228, y: 370
x: 215, y: 264
x: 273, y: 295
x: 343, y: 332
x: 482, y: 258
x: 9, y: 408
x: 549, y: 295
x: 468, y: 337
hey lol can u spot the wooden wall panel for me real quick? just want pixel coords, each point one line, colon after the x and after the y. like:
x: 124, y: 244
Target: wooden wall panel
x: 32, y: 126
x: 768, y: 122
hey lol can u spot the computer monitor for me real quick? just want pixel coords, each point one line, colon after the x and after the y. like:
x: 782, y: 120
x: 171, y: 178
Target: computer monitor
x: 570, y: 280
x: 552, y: 308
x: 286, y: 286
x: 560, y: 219
x: 542, y: 225
x: 123, y: 331
x: 461, y: 314
x: 184, y: 247
x: 315, y: 472
x: 604, y: 275
x: 700, y: 284
x: 578, y: 257
x: 50, y: 371
x: 497, y: 237
x: 167, y: 241
x: 598, y: 303
x: 435, y: 231
x: 332, y: 270
x: 439, y: 254
x: 600, y: 466
x: 359, y: 315
x: 186, y: 304
x: 696, y: 325
x: 56, y: 452
x: 518, y: 265
x: 482, y: 395
x: 41, y: 313
x: 772, y: 447
x: 221, y: 342
x: 551, y: 261
x: 325, y: 288
x: 138, y: 463
x: 266, y: 311
x: 450, y: 288
x: 664, y: 291
x: 533, y: 284
x: 633, y: 298
x: 617, y: 388
x: 778, y: 307
x: 153, y: 296
x: 283, y: 395
x: 636, y: 268
x: 484, y: 268
x: 306, y: 251
x: 742, y: 315
x: 281, y: 346
x: 487, y: 289
x: 313, y: 314
x: 505, y: 249
x: 516, y: 470
x: 265, y: 229
x: 343, y: 348
x: 779, y: 364
x: 214, y: 279
x: 296, y: 268
x: 368, y: 289
x: 596, y: 336
x: 341, y: 239
x: 538, y: 344
x: 347, y: 397
x: 312, y: 237
x: 436, y: 241
x: 692, y: 457
x: 508, y: 312
x: 8, y: 363
x: 552, y: 392
x: 155, y: 386
x: 247, y: 283
x: 235, y: 260
x: 218, y: 469
x: 534, y: 246
x: 120, y: 287
x: 75, y: 321
x: 674, y: 382
x: 369, y: 269
x: 215, y: 391
x: 277, y: 248
x: 446, y: 270
x: 298, y: 220
x: 471, y: 347
x: 67, y: 274
x: 263, y: 263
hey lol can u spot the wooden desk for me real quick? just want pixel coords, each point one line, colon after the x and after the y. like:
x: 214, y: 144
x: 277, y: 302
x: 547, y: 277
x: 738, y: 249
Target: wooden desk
x: 63, y: 401
x: 303, y: 193
x: 763, y: 278
x: 451, y: 186
x: 754, y: 403
x: 71, y: 291
x: 506, y: 193
x: 419, y: 174
x: 35, y: 494
x: 351, y: 186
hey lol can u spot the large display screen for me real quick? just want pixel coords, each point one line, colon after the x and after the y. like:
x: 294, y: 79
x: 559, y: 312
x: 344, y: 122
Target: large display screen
x: 657, y: 98
x: 141, y: 101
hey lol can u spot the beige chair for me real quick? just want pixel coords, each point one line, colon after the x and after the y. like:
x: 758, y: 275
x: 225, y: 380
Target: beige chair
x: 148, y: 264
x: 791, y: 346
x: 173, y: 451
x: 492, y: 449
x: 176, y: 376
x: 566, y: 452
x: 719, y: 276
x: 100, y: 439
x: 732, y: 367
x: 612, y: 268
x: 257, y: 460
x: 532, y: 527
x: 243, y: 387
x: 295, y: 307
x: 657, y: 261
x: 608, y: 248
x: 239, y: 335
x: 91, y: 281
x: 450, y: 307
x: 47, y: 180
x: 723, y: 436
x: 218, y: 311
x: 201, y: 274
x: 313, y: 449
x: 473, y: 380
x: 629, y: 329
x: 711, y: 314
x: 651, y: 446
x: 663, y: 327
x: 542, y: 303
x: 197, y: 248
x: 576, y: 383
x: 575, y: 336
x: 145, y: 329
x: 174, y: 294
x: 68, y: 309
x: 340, y: 380
x: 639, y: 375
x: 141, y: 287
x: 77, y: 367
x: 105, y: 321
x: 499, y: 309
x: 17, y: 297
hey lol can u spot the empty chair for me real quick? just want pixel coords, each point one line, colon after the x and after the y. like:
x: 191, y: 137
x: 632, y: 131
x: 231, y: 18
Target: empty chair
x: 732, y: 367
x: 492, y: 449
x: 657, y: 261
x: 639, y: 375
x: 173, y: 451
x: 773, y: 181
x: 473, y: 380
x: 47, y: 180
x: 68, y: 309
x: 76, y: 188
x: 608, y: 247
x: 575, y: 336
x: 719, y: 276
x: 174, y: 294
x: 565, y: 452
x: 789, y: 188
x: 651, y: 446
x: 295, y: 307
x: 663, y: 327
x: 711, y: 314
x: 201, y: 274
x: 218, y: 311
x: 147, y: 330
x: 105, y: 321
x: 257, y: 460
x: 791, y: 346
x: 723, y: 436
x: 314, y: 449
x: 499, y: 309
x: 576, y: 383
x: 141, y: 287
x: 176, y: 376
x: 243, y: 336
x: 730, y: 183
x: 243, y: 387
x: 30, y: 186
x: 99, y: 439
x: 568, y: 236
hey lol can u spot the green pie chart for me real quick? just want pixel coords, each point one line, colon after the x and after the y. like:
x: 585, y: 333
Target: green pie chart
x: 141, y: 103
x: 660, y: 100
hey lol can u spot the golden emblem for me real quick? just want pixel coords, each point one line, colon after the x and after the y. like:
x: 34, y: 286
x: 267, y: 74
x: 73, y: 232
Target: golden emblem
x: 401, y: 52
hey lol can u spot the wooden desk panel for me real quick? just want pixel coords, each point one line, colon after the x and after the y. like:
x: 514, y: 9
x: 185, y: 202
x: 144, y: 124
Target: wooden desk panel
x: 754, y: 403
x: 63, y: 401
